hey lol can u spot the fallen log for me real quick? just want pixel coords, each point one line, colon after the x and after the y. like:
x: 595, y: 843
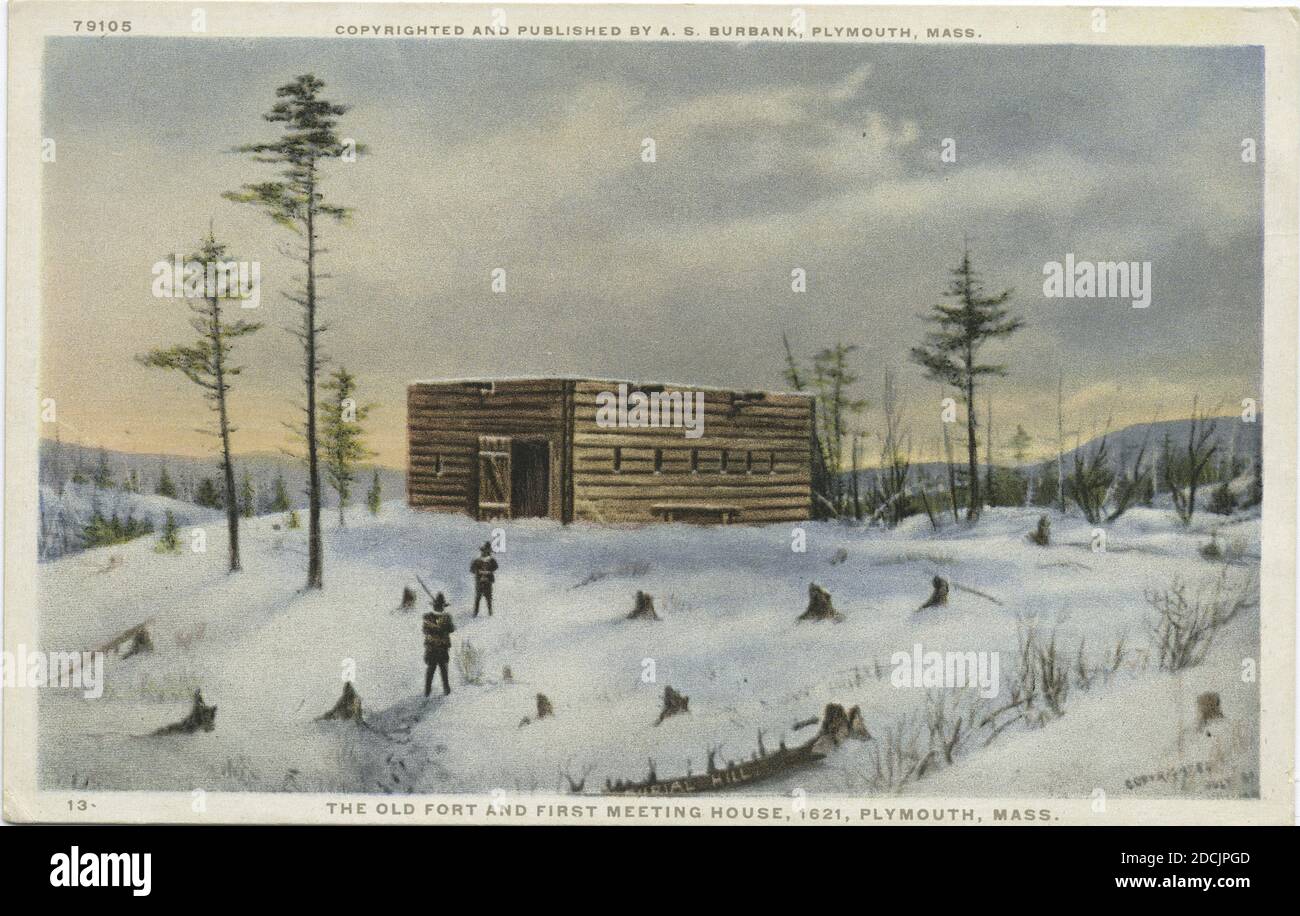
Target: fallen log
x: 759, y: 768
x: 976, y: 592
x: 132, y: 640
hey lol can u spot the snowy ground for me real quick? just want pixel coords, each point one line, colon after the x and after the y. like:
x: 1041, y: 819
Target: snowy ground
x: 272, y: 657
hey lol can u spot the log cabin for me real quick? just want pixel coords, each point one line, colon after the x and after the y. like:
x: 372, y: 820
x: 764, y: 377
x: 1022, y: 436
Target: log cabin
x: 582, y: 449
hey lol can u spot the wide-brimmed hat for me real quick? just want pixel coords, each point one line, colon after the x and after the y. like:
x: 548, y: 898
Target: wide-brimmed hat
x: 439, y: 602
x: 486, y: 548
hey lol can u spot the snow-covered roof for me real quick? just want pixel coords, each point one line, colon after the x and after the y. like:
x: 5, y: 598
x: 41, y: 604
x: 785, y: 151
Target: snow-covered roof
x: 488, y: 380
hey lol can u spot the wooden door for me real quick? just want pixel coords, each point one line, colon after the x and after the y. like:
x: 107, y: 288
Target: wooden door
x: 493, y: 477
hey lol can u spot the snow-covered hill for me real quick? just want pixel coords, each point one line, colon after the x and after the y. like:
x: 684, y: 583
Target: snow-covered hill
x: 66, y: 511
x: 272, y: 657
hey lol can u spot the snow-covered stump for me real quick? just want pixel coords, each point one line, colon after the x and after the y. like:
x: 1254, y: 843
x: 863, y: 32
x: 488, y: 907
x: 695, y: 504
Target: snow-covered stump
x: 674, y: 703
x: 938, y: 594
x: 1208, y: 708
x: 644, y: 608
x: 544, y: 710
x: 1042, y: 535
x: 839, y: 726
x: 202, y: 717
x: 819, y: 605
x: 347, y: 708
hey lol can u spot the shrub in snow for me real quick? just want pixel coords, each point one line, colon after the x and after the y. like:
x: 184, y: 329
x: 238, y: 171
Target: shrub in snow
x: 1186, y: 625
x: 469, y: 661
x: 106, y: 530
x: 1222, y: 502
x: 169, y: 542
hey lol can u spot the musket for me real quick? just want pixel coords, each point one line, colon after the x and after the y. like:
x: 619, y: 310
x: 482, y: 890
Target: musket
x: 425, y: 587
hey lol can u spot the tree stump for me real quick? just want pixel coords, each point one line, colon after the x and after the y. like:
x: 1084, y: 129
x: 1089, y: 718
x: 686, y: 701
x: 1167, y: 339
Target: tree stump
x: 819, y: 605
x: 857, y: 725
x: 674, y: 703
x: 141, y: 641
x: 1208, y: 708
x: 348, y: 707
x: 644, y: 609
x: 408, y: 598
x: 202, y: 716
x: 1042, y: 535
x: 838, y: 726
x: 939, y: 595
x: 835, y: 723
x: 544, y: 707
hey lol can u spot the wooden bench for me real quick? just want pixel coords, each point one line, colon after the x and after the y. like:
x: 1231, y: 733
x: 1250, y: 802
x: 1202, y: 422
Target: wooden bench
x: 700, y: 513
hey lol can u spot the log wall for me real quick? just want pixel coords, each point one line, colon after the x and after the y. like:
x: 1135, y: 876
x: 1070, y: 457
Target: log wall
x: 445, y: 421
x: 754, y: 457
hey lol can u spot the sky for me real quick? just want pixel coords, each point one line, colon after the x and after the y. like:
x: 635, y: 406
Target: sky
x: 527, y: 156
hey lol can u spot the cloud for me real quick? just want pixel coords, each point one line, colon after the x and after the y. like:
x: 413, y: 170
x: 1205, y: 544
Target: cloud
x: 527, y: 157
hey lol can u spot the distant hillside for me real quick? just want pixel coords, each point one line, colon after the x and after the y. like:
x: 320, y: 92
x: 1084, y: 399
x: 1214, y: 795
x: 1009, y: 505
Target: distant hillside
x: 1234, y: 437
x: 60, y: 462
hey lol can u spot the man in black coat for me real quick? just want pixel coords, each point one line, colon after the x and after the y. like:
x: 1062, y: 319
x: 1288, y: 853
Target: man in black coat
x: 484, y: 569
x: 437, y: 643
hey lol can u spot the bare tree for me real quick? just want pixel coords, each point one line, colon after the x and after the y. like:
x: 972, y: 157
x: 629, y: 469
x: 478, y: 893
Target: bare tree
x: 1184, y: 473
x: 895, y: 457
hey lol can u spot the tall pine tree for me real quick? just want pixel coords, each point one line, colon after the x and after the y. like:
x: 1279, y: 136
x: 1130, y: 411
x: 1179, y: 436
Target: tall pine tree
x: 950, y: 353
x: 308, y: 138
